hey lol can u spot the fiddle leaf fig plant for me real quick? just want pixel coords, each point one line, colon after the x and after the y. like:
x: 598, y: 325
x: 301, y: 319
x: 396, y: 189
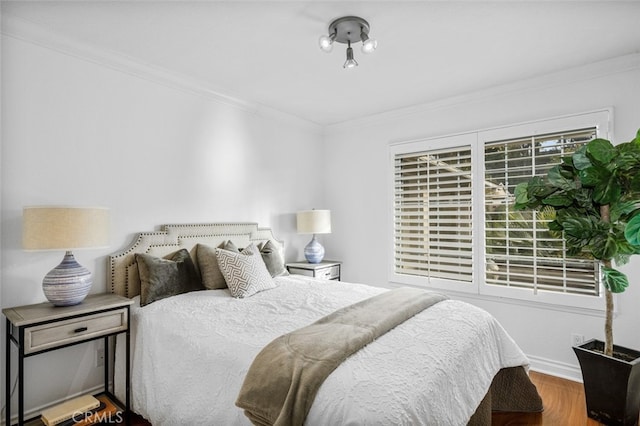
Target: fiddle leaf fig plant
x: 595, y: 193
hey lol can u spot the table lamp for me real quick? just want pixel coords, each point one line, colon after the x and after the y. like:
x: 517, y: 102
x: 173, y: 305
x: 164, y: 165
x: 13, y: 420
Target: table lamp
x: 65, y: 228
x: 314, y: 222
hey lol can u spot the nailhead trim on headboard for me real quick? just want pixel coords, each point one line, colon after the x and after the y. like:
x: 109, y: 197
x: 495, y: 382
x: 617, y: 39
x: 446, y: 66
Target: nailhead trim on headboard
x: 174, y: 237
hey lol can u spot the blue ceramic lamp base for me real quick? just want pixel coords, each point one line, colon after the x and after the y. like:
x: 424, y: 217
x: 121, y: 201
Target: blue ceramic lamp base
x: 314, y: 252
x: 68, y: 283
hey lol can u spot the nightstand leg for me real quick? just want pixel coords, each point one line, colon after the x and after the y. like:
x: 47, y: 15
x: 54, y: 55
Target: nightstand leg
x: 21, y: 376
x: 7, y: 372
x: 106, y: 365
x: 127, y: 386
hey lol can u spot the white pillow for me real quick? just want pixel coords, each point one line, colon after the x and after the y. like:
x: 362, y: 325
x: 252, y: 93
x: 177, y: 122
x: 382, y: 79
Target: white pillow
x: 244, y: 272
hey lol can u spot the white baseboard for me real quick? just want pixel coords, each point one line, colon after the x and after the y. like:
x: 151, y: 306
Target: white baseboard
x: 34, y: 412
x: 555, y: 368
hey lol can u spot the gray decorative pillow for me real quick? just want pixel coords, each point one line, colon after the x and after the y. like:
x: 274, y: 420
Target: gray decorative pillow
x: 245, y: 273
x: 228, y: 245
x: 165, y: 277
x: 273, y: 259
x: 212, y: 278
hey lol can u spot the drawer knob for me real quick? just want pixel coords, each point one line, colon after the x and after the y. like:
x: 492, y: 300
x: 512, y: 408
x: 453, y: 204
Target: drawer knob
x: 80, y: 330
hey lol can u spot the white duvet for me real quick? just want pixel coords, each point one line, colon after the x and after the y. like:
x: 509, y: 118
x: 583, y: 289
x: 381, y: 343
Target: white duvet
x: 191, y: 353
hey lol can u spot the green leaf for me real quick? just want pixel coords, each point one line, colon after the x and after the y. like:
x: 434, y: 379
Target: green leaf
x: 580, y: 160
x: 626, y: 207
x: 554, y: 226
x: 568, y: 213
x: 624, y: 248
x: 559, y: 199
x: 601, y: 151
x: 607, y: 191
x: 578, y: 226
x: 538, y: 188
x: 604, y: 247
x: 628, y: 157
x: 578, y: 232
x: 582, y: 198
x: 522, y: 198
x: 521, y: 191
x: 615, y: 280
x: 591, y: 176
x: 634, y: 184
x: 632, y: 231
x: 567, y: 172
x: 573, y: 251
x: 627, y: 148
x: 622, y: 259
x: 556, y: 178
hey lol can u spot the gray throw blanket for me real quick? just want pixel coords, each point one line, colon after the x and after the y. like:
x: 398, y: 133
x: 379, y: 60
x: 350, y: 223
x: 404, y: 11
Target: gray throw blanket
x: 285, y: 376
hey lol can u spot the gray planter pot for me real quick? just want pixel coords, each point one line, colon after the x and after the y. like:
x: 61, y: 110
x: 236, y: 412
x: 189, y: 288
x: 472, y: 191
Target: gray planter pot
x: 611, y: 384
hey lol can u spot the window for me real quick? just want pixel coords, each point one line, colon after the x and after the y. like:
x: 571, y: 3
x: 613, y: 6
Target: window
x: 433, y: 214
x: 520, y: 251
x: 454, y: 226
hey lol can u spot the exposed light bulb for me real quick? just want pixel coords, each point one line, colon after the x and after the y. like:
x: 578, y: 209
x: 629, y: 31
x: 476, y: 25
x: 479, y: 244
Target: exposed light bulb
x: 368, y: 44
x: 350, y: 62
x: 326, y: 42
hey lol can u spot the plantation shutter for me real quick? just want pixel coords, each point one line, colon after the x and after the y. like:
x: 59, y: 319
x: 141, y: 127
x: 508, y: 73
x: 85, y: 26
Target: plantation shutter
x: 433, y: 214
x: 520, y: 251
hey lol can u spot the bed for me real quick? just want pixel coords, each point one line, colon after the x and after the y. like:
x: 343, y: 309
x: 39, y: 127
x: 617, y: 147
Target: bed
x: 451, y: 364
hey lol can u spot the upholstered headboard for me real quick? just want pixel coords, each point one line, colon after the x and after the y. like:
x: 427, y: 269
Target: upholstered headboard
x: 123, y: 270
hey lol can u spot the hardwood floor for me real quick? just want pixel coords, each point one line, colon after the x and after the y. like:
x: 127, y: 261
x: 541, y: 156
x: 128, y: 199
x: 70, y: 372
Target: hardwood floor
x: 563, y: 400
x: 564, y: 405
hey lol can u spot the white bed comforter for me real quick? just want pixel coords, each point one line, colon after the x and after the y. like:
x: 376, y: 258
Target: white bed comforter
x: 191, y: 353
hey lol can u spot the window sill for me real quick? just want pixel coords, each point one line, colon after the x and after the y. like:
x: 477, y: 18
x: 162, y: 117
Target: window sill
x: 594, y: 312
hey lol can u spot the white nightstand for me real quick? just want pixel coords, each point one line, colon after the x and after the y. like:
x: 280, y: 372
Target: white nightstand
x: 40, y: 328
x: 327, y: 269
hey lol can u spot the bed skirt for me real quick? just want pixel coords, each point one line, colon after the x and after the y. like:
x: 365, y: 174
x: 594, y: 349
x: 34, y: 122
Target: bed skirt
x: 510, y: 391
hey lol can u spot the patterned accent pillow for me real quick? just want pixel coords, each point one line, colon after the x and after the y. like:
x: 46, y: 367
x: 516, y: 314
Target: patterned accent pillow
x: 273, y: 259
x: 245, y: 272
x: 161, y: 278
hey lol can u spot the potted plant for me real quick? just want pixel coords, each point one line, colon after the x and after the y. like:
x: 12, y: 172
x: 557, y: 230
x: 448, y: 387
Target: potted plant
x: 595, y: 193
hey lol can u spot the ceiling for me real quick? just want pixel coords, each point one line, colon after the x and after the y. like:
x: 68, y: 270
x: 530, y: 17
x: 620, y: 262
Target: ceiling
x: 266, y: 52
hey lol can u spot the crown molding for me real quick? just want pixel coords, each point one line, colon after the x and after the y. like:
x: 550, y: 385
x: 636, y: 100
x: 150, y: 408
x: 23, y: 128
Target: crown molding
x: 571, y: 75
x: 33, y: 33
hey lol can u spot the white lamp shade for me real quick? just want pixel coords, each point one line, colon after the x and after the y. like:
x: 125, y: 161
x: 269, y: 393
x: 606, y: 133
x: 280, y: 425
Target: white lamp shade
x: 314, y: 222
x: 65, y: 228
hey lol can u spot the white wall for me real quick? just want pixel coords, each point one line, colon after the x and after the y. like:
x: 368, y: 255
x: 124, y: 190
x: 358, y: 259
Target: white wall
x: 80, y: 133
x: 77, y: 132
x: 358, y: 182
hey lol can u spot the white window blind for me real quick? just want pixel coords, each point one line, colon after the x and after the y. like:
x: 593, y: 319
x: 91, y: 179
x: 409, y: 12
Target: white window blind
x: 520, y: 251
x: 433, y: 214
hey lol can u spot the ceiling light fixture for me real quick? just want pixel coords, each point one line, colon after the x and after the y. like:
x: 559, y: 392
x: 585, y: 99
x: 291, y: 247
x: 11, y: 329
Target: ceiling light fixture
x: 350, y: 62
x: 348, y: 29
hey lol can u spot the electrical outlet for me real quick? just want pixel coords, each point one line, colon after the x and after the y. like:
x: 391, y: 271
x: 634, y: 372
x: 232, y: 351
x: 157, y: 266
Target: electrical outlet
x: 100, y: 357
x: 577, y: 339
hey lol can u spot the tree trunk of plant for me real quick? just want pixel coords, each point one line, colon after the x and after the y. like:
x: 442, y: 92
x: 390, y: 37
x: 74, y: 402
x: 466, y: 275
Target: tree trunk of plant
x: 608, y: 322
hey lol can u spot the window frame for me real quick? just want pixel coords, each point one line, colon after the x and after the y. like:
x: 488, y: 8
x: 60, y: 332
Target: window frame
x: 600, y: 119
x: 455, y: 141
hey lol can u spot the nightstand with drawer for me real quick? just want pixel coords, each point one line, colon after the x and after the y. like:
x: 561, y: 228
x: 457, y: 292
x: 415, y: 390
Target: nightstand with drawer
x: 327, y: 269
x: 42, y: 327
